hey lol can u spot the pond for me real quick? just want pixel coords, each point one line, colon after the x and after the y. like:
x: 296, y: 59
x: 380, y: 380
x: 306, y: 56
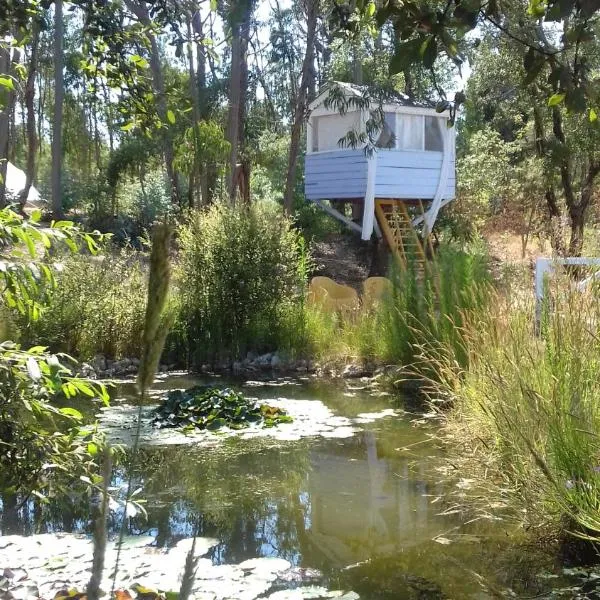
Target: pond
x: 364, y: 510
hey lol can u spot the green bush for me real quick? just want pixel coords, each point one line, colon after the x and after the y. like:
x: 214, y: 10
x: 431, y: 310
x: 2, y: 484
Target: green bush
x: 242, y: 272
x: 97, y: 307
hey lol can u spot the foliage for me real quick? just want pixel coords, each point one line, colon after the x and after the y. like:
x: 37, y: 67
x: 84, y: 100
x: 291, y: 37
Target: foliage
x: 239, y: 268
x: 206, y: 407
x: 525, y: 414
x: 97, y: 307
x: 425, y: 32
x: 43, y: 445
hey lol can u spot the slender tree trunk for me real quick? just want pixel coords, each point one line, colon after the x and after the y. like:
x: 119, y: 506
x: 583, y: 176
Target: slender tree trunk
x: 233, y: 118
x: 240, y: 31
x: 32, y: 140
x: 578, y: 212
x: 207, y: 170
x: 194, y: 92
x: 140, y: 10
x: 5, y: 68
x: 301, y: 104
x: 57, y: 208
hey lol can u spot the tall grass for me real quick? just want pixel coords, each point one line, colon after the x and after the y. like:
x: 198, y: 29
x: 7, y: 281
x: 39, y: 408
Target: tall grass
x: 97, y: 307
x: 526, y: 411
x: 426, y: 306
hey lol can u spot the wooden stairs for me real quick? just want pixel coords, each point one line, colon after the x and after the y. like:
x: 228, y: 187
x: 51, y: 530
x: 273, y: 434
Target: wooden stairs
x: 397, y: 229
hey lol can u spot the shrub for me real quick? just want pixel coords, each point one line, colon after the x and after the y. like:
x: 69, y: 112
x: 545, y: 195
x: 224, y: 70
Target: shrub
x: 97, y: 307
x: 43, y: 446
x: 241, y: 270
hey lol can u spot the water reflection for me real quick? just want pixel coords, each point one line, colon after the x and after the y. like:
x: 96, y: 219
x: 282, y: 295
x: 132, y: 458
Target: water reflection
x: 318, y: 503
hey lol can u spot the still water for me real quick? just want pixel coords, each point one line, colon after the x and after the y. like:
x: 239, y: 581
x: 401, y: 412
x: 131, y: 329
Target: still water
x: 373, y: 498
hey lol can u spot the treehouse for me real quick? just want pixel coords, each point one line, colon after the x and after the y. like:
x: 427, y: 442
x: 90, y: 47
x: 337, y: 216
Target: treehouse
x: 396, y: 188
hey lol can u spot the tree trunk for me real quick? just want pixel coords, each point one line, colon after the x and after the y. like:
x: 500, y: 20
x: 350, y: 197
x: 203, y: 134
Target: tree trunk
x: 578, y: 212
x: 5, y: 69
x: 233, y: 118
x: 240, y: 32
x: 59, y: 91
x: 301, y: 104
x: 207, y: 170
x: 32, y: 140
x: 194, y: 175
x: 140, y: 10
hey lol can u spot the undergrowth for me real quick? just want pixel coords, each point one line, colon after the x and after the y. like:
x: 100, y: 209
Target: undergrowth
x: 524, y: 416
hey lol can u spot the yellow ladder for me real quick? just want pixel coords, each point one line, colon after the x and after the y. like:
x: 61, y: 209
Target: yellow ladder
x: 398, y: 231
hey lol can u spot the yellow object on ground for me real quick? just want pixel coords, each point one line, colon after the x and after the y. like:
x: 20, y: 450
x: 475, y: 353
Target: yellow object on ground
x: 374, y: 289
x: 332, y: 296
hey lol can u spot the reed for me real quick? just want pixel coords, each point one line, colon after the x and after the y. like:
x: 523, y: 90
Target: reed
x: 158, y: 319
x: 525, y: 416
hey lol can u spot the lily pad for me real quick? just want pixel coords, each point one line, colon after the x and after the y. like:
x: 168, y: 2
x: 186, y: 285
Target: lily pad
x: 212, y: 408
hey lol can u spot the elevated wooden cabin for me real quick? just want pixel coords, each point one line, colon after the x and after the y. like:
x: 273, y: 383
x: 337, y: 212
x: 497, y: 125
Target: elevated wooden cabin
x: 398, y: 188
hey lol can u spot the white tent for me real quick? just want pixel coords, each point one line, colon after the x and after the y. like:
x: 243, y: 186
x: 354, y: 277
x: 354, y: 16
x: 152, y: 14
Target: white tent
x: 15, y: 182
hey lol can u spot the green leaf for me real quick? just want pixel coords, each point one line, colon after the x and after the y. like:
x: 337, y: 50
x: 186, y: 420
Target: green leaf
x: 36, y: 215
x: 593, y: 115
x: 71, y: 412
x: 83, y: 387
x: 92, y: 449
x: 171, y: 117
x: 429, y: 52
x: 405, y: 54
x: 128, y: 126
x: 556, y: 99
x: 7, y: 82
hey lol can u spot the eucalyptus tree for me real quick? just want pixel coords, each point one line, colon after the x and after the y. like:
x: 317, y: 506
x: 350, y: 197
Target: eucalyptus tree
x: 311, y: 8
x: 57, y: 119
x: 551, y: 125
x: 238, y: 18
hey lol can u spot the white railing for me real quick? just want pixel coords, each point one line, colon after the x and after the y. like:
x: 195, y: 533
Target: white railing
x: 544, y: 267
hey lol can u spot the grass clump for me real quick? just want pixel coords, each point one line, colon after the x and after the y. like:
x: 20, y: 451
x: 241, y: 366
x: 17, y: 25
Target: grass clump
x: 525, y: 416
x: 242, y: 273
x: 207, y: 407
x: 97, y: 307
x: 424, y: 306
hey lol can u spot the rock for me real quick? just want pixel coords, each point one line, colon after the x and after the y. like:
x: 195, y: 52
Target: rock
x: 87, y: 370
x: 276, y: 362
x: 354, y: 370
x: 300, y: 575
x: 98, y: 363
x: 238, y: 367
x: 264, y: 361
x: 250, y: 356
x: 205, y: 368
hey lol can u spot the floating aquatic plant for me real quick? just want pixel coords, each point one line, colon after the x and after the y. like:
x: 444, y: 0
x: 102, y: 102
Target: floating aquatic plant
x: 207, y: 407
